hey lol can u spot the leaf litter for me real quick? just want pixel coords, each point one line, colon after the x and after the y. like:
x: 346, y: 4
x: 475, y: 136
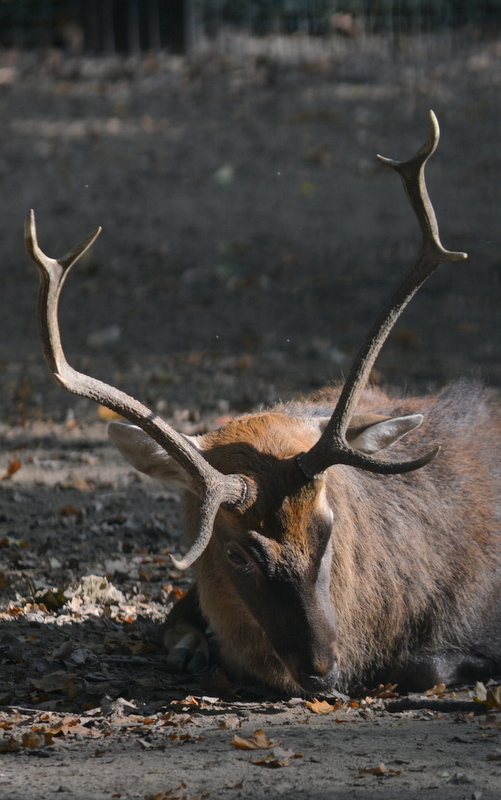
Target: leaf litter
x: 378, y: 771
x: 278, y: 757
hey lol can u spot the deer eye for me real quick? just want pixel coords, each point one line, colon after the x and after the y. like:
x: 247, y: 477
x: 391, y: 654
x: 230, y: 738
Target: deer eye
x: 237, y: 558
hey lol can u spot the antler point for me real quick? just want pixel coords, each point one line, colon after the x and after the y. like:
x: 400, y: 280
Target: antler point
x: 179, y: 563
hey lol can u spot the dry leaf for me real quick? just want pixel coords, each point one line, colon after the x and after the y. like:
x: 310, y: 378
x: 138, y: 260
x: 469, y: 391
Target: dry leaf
x: 257, y: 742
x: 229, y: 723
x: 479, y: 692
x: 381, y: 769
x: 13, y: 467
x: 189, y: 701
x: 181, y: 738
x: 384, y: 691
x: 82, y: 484
x: 321, y: 706
x: 34, y: 739
x: 277, y: 758
x: 148, y: 745
x: 494, y: 697
x: 172, y: 720
x: 176, y: 794
x: 106, y: 414
x: 68, y: 725
x: 269, y: 761
x: 439, y: 689
x: 9, y: 745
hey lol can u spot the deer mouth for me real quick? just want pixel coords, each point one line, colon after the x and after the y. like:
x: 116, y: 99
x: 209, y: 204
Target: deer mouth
x: 313, y: 681
x: 318, y: 683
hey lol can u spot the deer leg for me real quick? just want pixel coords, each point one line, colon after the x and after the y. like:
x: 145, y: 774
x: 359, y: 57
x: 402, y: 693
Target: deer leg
x: 182, y: 635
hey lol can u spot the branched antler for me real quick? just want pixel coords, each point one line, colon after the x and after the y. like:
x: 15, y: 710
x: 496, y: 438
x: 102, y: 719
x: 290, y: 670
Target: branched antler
x: 332, y: 447
x: 213, y: 487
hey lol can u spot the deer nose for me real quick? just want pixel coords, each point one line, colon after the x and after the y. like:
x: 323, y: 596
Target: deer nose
x: 318, y: 683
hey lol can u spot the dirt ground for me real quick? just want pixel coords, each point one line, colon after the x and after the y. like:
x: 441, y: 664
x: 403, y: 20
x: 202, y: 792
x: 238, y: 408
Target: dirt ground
x: 249, y: 237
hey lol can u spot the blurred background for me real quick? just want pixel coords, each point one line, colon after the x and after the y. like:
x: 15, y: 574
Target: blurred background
x: 227, y: 147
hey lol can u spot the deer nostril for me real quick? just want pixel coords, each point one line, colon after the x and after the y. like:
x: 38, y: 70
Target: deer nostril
x: 318, y: 683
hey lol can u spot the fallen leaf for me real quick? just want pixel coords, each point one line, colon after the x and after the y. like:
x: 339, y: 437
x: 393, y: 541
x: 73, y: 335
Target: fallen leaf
x: 321, y: 706
x: 34, y: 739
x: 68, y: 725
x: 180, y: 793
x: 181, y: 738
x: 384, y: 691
x: 13, y: 467
x: 189, y: 700
x: 148, y: 745
x: 494, y: 697
x: 257, y: 742
x: 439, y: 688
x: 270, y: 761
x: 81, y: 484
x: 106, y: 414
x: 229, y: 723
x: 9, y: 745
x: 381, y: 769
x: 479, y: 692
x: 172, y: 720
x: 277, y: 758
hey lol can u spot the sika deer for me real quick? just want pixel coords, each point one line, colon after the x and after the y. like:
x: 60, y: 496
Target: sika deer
x: 317, y: 563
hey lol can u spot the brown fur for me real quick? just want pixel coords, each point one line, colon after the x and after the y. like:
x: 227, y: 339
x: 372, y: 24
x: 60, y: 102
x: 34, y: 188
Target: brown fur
x: 415, y: 557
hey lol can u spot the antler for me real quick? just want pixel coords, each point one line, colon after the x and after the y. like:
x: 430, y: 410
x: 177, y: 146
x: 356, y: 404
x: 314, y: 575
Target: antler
x: 332, y: 447
x: 213, y: 487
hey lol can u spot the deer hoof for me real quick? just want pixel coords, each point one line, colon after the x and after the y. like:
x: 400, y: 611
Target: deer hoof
x: 187, y: 647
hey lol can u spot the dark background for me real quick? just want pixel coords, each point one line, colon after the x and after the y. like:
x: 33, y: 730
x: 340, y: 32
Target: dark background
x: 249, y: 233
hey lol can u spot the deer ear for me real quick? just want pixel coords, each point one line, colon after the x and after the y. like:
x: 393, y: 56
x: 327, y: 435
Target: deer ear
x: 146, y: 455
x: 370, y: 433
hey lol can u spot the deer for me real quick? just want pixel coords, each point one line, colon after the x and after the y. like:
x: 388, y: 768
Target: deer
x: 326, y: 552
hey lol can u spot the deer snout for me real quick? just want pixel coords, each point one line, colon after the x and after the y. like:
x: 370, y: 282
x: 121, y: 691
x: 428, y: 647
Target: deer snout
x: 317, y: 682
x: 313, y: 677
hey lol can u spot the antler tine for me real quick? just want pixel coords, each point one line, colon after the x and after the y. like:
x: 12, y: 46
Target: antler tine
x: 213, y: 487
x: 332, y: 447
